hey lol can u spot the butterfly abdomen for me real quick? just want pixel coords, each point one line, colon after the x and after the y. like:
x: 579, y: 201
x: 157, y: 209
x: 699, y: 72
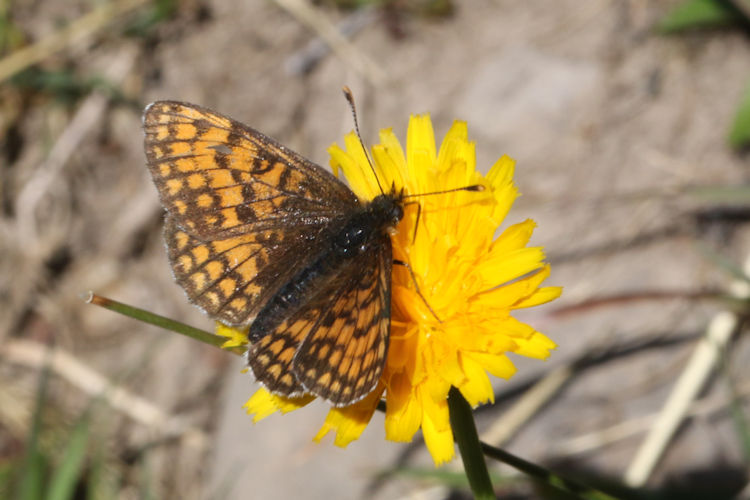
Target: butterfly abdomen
x: 290, y: 297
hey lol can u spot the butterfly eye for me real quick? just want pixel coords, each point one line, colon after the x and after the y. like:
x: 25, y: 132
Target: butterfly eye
x: 398, y: 213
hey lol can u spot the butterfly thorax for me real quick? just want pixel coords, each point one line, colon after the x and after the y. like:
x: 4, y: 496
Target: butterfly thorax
x: 376, y: 219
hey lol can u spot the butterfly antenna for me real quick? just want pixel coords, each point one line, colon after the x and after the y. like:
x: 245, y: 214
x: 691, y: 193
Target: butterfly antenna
x: 473, y: 187
x: 350, y: 99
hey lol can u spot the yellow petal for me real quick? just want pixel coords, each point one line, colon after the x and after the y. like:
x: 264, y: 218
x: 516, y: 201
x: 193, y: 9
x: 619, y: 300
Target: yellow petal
x: 420, y: 151
x: 498, y: 269
x: 476, y: 387
x: 358, y: 175
x: 403, y: 414
x: 263, y: 403
x: 516, y: 293
x: 237, y: 337
x: 260, y: 405
x: 437, y: 437
x: 513, y: 238
x: 540, y: 296
x: 350, y: 421
x: 501, y: 173
x: 500, y: 178
x: 536, y: 346
x: 453, y: 146
x: 497, y: 364
x: 517, y: 329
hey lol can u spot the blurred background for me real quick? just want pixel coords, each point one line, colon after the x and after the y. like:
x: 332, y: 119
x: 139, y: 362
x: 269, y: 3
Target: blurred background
x: 627, y: 118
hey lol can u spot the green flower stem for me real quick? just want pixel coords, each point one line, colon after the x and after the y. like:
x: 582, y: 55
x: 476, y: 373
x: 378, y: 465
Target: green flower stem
x: 543, y: 475
x: 160, y: 321
x: 465, y: 434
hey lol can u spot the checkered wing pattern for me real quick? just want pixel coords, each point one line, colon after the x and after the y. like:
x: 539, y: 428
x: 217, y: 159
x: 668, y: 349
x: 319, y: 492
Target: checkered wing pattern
x: 335, y: 345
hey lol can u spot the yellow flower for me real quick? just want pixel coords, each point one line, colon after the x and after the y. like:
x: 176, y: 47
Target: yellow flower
x: 453, y: 326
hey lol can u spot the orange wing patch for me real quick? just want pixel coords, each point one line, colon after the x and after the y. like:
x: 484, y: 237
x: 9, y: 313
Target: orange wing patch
x: 271, y: 357
x: 218, y: 177
x: 223, y: 277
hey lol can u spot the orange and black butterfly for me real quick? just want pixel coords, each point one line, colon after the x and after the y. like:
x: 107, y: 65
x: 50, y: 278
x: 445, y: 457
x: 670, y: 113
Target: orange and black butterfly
x: 256, y: 234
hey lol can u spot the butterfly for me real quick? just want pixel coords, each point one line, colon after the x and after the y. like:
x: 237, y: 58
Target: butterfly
x: 258, y: 235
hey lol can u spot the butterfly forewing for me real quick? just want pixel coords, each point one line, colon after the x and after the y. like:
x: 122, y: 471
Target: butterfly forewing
x: 243, y: 210
x: 231, y: 278
x: 217, y: 177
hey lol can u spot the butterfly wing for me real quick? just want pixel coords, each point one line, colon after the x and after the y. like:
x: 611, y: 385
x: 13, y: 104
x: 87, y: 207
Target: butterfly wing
x: 244, y: 213
x: 231, y: 278
x: 335, y: 344
x: 218, y: 177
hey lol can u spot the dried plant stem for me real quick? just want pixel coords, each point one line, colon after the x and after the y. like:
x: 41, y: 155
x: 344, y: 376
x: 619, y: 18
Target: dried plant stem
x: 304, y: 60
x: 343, y: 48
x: 46, y: 175
x: 89, y: 381
x: 602, y: 437
x: 532, y: 400
x: 699, y: 368
x: 79, y: 29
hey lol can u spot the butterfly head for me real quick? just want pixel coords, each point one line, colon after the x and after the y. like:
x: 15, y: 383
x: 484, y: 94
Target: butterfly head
x: 380, y: 216
x: 388, y: 210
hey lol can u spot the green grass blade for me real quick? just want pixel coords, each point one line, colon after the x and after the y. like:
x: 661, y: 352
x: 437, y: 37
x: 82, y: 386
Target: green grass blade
x: 724, y: 195
x: 101, y: 482
x: 465, y: 434
x: 547, y: 477
x: 66, y: 476
x: 445, y: 477
x: 6, y: 478
x: 33, y: 469
x: 147, y: 19
x: 146, y: 480
x: 698, y: 14
x: 160, y: 321
x: 723, y: 263
x: 739, y: 134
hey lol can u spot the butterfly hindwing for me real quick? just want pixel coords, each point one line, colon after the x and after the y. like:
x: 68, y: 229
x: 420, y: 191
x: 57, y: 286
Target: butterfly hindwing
x: 341, y: 361
x: 335, y: 344
x: 231, y: 278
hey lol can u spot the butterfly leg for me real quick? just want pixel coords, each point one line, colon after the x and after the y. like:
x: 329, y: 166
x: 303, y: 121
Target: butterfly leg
x: 416, y: 286
x: 416, y: 224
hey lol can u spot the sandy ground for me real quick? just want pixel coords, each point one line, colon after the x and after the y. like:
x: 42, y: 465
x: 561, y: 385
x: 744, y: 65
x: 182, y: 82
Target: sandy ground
x: 610, y: 125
